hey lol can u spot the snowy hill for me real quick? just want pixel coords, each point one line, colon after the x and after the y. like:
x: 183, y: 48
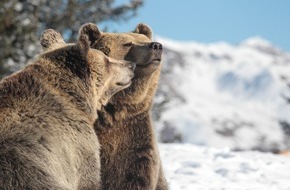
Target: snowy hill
x: 224, y: 95
x: 190, y: 167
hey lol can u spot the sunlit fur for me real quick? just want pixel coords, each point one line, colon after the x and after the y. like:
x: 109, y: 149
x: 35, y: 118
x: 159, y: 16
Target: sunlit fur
x: 47, y: 111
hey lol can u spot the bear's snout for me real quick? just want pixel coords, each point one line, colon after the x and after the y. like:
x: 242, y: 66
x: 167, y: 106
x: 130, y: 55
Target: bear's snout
x: 155, y: 46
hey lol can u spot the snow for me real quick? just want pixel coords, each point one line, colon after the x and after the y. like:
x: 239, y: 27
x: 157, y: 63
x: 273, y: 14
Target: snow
x: 218, y: 103
x: 189, y: 167
x: 224, y: 95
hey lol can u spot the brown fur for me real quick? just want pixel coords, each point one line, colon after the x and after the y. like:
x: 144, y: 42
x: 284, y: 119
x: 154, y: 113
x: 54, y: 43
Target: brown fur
x: 129, y: 153
x: 47, y: 111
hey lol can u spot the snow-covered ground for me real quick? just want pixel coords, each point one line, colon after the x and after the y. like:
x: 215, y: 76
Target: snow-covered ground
x: 191, y: 167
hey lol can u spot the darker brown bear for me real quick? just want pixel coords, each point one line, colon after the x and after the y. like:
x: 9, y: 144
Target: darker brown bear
x: 129, y: 154
x: 47, y: 111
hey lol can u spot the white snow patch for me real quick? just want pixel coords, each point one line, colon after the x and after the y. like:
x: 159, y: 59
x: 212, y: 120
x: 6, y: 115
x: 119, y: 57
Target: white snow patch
x: 189, y: 167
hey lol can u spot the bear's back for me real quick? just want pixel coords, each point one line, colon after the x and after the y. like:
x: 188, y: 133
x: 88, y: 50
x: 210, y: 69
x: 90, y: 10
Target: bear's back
x: 41, y: 136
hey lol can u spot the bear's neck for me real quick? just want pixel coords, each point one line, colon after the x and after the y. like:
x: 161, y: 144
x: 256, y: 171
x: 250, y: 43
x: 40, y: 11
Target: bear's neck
x: 112, y: 117
x: 135, y: 101
x: 119, y: 110
x: 71, y: 89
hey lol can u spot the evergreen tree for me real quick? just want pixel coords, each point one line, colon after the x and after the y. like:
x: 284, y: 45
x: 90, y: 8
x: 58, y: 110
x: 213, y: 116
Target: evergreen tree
x: 22, y: 21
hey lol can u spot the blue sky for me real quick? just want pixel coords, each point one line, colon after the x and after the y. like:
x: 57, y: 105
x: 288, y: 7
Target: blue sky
x: 215, y: 20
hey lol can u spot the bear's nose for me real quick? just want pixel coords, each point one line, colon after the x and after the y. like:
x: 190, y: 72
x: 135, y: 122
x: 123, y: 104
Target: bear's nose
x: 155, y: 46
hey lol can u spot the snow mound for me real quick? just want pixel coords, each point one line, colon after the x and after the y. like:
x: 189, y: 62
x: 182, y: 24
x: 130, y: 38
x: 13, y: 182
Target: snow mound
x: 257, y: 42
x: 224, y: 95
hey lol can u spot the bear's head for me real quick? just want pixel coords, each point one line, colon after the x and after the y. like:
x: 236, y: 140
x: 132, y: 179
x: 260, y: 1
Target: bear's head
x: 136, y: 46
x: 103, y: 74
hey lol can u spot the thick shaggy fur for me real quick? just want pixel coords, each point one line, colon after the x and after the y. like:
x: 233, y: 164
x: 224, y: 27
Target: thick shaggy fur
x: 47, y: 111
x: 129, y: 154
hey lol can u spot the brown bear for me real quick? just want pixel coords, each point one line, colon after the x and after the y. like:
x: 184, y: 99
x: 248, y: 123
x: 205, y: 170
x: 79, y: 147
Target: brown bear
x: 47, y: 112
x: 129, y: 153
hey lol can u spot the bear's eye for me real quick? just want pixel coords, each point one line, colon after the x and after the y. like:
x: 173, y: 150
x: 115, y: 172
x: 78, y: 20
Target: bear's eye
x: 105, y: 50
x: 129, y: 44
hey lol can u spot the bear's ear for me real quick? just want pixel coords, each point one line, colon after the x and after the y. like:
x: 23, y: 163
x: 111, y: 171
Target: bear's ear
x: 143, y: 29
x: 88, y: 34
x: 50, y: 39
x: 92, y: 31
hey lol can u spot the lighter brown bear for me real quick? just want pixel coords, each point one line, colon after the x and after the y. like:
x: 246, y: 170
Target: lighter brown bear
x: 129, y: 154
x: 47, y: 111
